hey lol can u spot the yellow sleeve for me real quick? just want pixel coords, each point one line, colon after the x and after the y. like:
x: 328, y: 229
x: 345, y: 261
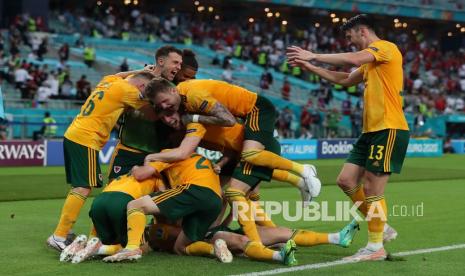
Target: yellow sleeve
x: 195, y: 130
x: 200, y: 101
x: 380, y: 50
x: 160, y: 166
x: 122, y: 91
x: 133, y: 97
x: 362, y: 68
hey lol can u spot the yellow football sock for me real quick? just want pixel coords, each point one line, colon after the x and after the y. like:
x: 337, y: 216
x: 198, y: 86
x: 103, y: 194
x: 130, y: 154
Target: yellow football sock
x: 271, y: 160
x: 107, y: 250
x: 358, y: 195
x: 136, y: 226
x: 285, y: 176
x: 377, y: 217
x: 261, y: 218
x: 245, y: 216
x: 200, y: 248
x: 309, y: 238
x: 257, y: 251
x: 69, y: 214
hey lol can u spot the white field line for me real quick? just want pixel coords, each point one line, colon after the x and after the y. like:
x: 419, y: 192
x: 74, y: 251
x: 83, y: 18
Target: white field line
x: 342, y: 262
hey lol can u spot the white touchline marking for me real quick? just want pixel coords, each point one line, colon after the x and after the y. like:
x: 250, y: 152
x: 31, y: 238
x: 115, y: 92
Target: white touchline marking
x: 342, y: 262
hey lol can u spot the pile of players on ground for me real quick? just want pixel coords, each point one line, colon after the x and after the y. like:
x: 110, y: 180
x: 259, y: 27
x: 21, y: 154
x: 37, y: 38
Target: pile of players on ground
x: 164, y: 114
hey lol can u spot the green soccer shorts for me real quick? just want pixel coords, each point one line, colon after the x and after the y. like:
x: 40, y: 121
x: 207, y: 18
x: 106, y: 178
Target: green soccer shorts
x: 381, y: 151
x: 197, y: 206
x: 81, y: 165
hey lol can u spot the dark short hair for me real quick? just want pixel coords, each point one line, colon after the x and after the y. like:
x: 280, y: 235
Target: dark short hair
x: 358, y: 20
x: 157, y: 85
x: 165, y: 51
x: 189, y: 60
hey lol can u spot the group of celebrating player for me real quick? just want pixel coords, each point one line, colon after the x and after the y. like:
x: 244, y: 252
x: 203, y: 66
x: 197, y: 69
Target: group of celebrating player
x: 164, y: 114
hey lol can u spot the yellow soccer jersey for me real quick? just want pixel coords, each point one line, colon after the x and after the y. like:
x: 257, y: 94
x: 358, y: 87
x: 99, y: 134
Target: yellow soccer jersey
x: 98, y: 116
x: 217, y: 137
x: 383, y: 86
x: 199, y: 96
x: 196, y: 170
x: 129, y: 185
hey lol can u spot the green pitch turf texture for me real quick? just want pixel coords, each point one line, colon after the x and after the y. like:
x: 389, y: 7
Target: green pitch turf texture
x: 31, y: 199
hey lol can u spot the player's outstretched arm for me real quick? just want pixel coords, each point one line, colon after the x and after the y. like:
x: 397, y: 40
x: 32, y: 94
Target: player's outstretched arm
x: 342, y: 78
x: 218, y: 115
x: 341, y: 59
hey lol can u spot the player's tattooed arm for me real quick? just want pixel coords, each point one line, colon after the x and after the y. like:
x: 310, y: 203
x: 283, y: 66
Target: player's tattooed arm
x: 219, y: 115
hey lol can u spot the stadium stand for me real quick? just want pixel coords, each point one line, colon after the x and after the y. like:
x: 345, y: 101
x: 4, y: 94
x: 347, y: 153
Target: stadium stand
x: 255, y: 50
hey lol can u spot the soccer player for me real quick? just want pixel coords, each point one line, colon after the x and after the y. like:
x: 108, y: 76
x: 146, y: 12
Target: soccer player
x: 189, y: 67
x: 162, y: 236
x: 168, y: 62
x: 86, y: 136
x: 229, y: 141
x: 195, y: 196
x: 140, y: 133
x: 381, y: 148
x: 108, y: 214
x: 220, y: 102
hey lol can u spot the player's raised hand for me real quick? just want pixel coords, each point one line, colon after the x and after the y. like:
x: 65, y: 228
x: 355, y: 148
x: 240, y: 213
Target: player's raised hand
x: 304, y: 65
x: 295, y: 53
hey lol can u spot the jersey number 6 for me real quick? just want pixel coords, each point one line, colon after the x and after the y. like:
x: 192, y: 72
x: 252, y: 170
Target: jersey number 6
x: 91, y: 105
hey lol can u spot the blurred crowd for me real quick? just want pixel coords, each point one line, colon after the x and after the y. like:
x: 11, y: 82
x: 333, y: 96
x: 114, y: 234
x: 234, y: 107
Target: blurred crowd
x: 22, y: 53
x: 434, y: 78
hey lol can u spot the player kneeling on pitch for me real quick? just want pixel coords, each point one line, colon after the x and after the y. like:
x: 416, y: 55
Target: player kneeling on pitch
x: 195, y: 196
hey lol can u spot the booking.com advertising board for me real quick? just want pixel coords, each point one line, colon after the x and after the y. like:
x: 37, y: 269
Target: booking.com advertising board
x: 50, y: 153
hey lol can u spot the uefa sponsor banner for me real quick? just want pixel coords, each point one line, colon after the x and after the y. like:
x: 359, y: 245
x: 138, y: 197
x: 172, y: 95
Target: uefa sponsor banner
x: 424, y: 148
x: 335, y: 148
x: 298, y: 149
x: 55, y: 156
x: 458, y: 146
x: 22, y: 153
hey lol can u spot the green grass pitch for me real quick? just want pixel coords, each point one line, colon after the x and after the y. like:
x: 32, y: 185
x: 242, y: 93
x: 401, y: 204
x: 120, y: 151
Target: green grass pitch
x: 31, y: 200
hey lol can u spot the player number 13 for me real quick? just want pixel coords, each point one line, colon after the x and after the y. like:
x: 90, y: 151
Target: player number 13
x: 379, y: 152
